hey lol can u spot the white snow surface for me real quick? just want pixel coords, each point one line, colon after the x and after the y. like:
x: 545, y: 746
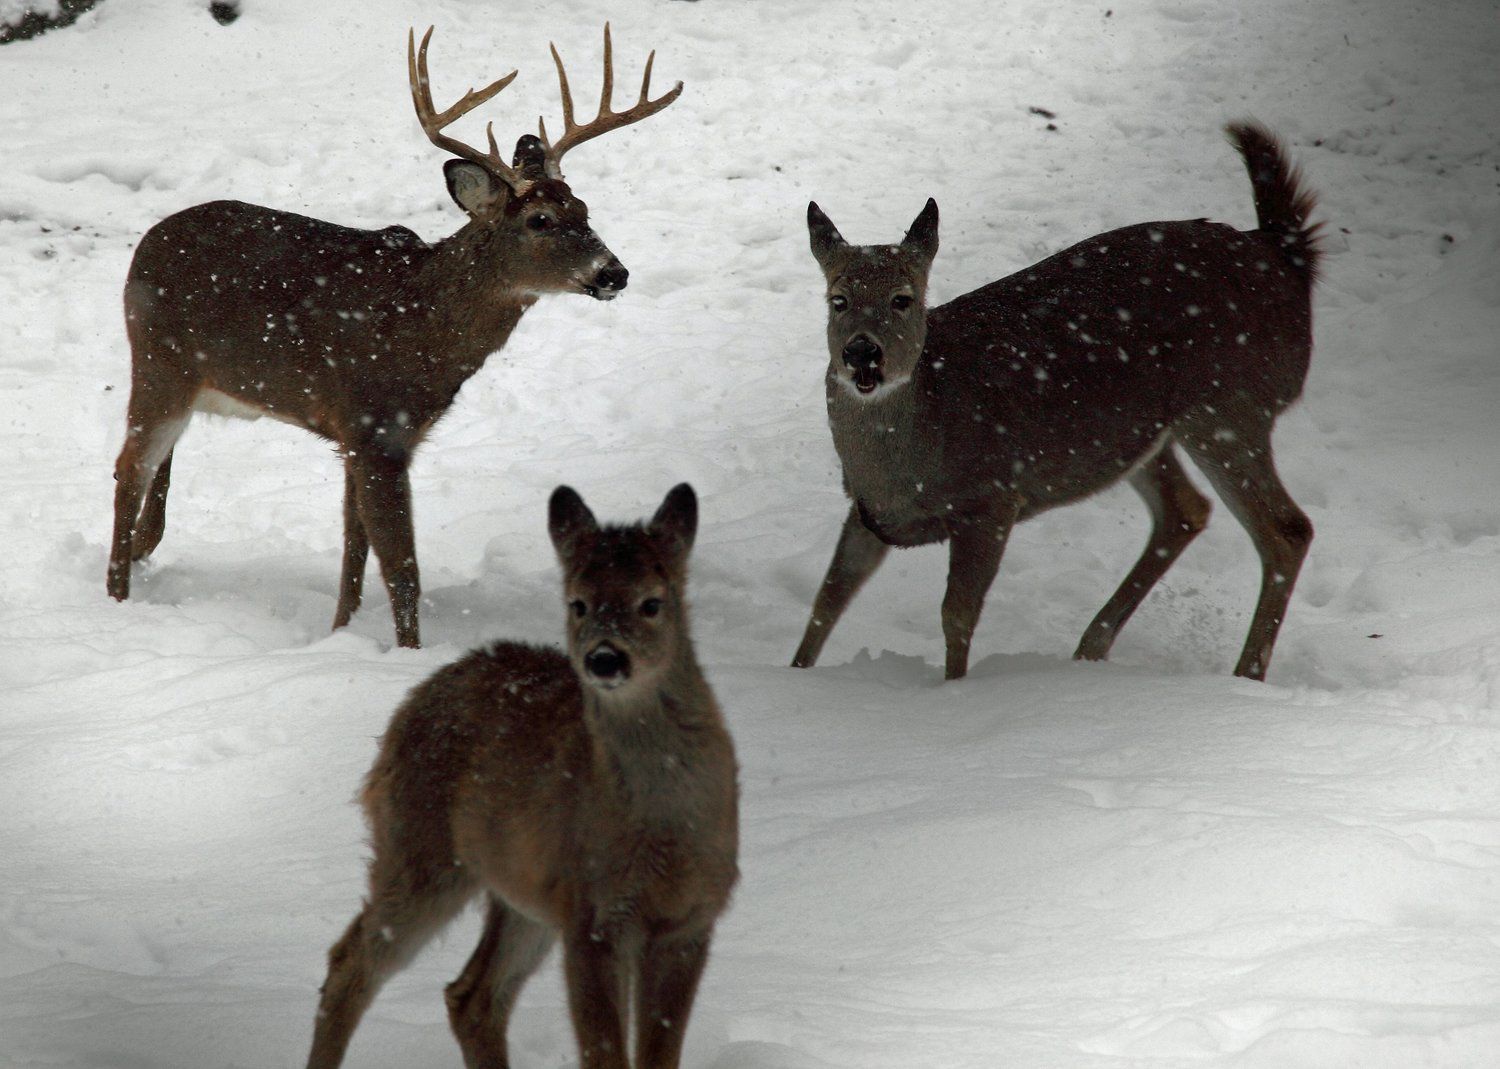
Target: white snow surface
x: 1049, y: 864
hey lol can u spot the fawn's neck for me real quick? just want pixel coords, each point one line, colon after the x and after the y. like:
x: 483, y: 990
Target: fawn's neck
x: 659, y: 750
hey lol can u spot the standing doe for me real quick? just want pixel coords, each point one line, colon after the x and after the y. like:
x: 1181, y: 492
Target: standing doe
x: 590, y: 797
x: 363, y: 337
x: 1049, y: 385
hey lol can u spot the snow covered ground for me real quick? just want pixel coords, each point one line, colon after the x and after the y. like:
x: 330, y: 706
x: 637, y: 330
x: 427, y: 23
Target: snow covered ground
x: 1144, y: 863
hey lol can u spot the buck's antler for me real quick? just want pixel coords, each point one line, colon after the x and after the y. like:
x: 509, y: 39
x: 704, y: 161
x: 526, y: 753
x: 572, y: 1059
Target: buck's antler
x: 607, y: 119
x: 433, y: 122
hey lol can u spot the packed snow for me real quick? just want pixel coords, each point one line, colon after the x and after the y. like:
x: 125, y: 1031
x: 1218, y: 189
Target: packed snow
x: 1047, y: 865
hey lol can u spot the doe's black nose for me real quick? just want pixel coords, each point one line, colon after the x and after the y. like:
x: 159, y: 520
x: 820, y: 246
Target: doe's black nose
x: 861, y: 351
x: 612, y: 278
x: 604, y: 662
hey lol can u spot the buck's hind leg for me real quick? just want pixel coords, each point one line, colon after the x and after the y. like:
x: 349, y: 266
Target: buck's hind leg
x: 1237, y: 461
x: 480, y: 1000
x: 156, y: 416
x: 153, y: 519
x: 407, y: 906
x: 356, y: 551
x: 1178, y: 513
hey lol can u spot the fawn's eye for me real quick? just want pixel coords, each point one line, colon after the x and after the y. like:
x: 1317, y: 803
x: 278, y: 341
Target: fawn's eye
x: 838, y: 302
x: 901, y: 302
x: 579, y: 609
x: 651, y: 606
x: 539, y: 221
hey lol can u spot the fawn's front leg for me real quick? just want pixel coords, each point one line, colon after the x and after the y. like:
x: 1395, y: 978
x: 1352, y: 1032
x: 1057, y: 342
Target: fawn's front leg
x: 858, y: 554
x: 670, y: 970
x: 596, y: 997
x: 976, y: 542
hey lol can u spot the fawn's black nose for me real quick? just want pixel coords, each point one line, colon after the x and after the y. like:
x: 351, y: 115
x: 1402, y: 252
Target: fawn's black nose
x: 862, y: 351
x: 607, y: 664
x: 611, y: 278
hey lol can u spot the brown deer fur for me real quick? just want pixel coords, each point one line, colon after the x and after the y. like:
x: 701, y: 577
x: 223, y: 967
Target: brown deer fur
x: 590, y: 798
x: 1047, y: 386
x: 362, y: 337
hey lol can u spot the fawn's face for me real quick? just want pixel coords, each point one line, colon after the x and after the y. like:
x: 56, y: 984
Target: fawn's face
x: 540, y: 241
x: 624, y: 591
x: 877, y: 303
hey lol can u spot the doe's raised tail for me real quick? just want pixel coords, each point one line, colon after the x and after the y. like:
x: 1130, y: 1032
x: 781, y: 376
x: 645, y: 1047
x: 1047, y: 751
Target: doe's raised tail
x: 1282, y: 200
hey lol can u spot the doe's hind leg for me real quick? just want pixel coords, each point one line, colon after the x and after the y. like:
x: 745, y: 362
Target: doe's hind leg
x: 1241, y: 469
x: 1178, y: 513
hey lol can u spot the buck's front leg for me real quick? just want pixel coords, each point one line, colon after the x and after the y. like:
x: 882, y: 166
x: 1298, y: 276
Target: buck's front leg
x: 858, y: 554
x: 383, y: 494
x: 356, y: 549
x: 670, y: 971
x: 596, y: 998
x: 976, y: 542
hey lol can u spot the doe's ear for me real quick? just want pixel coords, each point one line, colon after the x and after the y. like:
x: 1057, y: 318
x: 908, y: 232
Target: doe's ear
x: 922, y: 238
x: 473, y: 188
x: 677, y: 520
x: 567, y: 518
x: 821, y: 232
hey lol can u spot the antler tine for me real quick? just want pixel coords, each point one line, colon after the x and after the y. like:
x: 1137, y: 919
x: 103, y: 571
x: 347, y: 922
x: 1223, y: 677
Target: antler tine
x: 607, y: 118
x: 434, y: 121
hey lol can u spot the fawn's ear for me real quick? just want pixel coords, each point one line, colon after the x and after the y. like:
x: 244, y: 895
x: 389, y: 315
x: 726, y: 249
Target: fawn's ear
x: 567, y: 518
x: 676, y: 522
x: 922, y: 238
x: 473, y: 188
x: 821, y: 232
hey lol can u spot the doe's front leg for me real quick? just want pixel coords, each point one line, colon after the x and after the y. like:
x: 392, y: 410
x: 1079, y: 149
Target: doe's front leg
x: 976, y: 542
x: 858, y: 554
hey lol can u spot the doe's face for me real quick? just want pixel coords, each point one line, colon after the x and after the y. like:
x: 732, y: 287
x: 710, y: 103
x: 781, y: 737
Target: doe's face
x: 877, y: 303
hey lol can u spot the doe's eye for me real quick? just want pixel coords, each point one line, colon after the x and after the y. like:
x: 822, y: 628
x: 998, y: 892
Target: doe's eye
x: 901, y: 302
x: 651, y: 606
x: 578, y: 608
x: 539, y: 221
x: 838, y: 302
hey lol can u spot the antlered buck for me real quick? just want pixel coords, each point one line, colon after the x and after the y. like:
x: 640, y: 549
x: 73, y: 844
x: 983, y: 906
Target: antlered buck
x: 1049, y: 385
x: 363, y: 337
x: 590, y: 798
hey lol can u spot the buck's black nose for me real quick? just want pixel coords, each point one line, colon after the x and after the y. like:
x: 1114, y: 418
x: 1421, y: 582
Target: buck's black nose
x: 612, y: 278
x: 607, y: 664
x: 861, y: 351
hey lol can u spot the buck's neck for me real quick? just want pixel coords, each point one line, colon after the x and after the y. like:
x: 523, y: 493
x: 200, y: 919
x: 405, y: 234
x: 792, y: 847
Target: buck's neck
x: 467, y: 308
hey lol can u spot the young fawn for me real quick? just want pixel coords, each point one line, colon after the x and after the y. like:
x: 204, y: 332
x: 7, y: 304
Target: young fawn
x: 590, y: 797
x: 1049, y: 385
x: 363, y: 337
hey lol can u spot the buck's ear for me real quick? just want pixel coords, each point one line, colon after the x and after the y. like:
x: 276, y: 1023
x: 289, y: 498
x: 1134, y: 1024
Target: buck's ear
x: 567, y: 518
x: 922, y: 238
x: 531, y: 159
x: 676, y: 522
x: 473, y: 188
x: 821, y: 232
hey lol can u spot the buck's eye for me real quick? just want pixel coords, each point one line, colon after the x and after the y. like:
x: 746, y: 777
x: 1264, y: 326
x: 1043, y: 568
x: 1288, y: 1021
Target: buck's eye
x: 838, y: 302
x: 578, y: 608
x: 901, y: 302
x: 539, y: 221
x: 651, y: 606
